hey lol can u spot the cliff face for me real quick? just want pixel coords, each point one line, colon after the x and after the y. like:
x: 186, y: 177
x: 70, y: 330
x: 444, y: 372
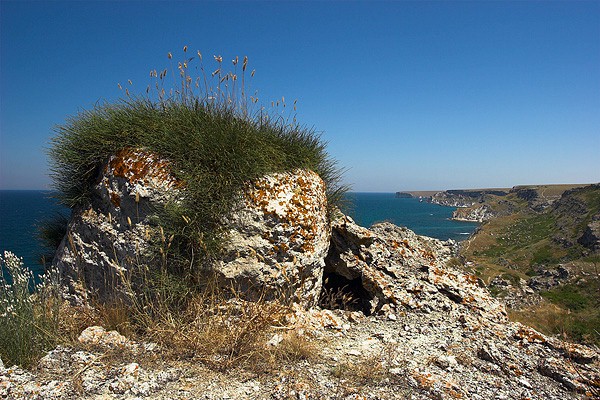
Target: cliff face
x: 473, y: 214
x: 465, y: 198
x: 577, y: 215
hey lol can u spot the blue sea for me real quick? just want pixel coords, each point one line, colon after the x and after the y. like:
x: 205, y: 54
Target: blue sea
x: 22, y: 212
x: 423, y: 218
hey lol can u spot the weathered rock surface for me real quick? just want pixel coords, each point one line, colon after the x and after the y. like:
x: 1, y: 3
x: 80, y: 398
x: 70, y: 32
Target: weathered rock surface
x: 473, y: 214
x: 464, y: 198
x: 591, y: 234
x: 415, y: 327
x: 278, y: 237
x: 111, y: 235
x: 400, y: 270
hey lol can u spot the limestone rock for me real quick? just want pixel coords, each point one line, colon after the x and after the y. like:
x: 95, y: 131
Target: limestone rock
x: 591, y: 234
x: 479, y: 213
x: 111, y: 236
x: 98, y: 336
x: 278, y: 237
x: 278, y: 234
x: 389, y: 266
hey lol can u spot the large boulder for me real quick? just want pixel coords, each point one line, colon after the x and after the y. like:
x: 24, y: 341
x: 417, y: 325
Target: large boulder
x: 278, y: 234
x: 278, y: 238
x: 110, y: 236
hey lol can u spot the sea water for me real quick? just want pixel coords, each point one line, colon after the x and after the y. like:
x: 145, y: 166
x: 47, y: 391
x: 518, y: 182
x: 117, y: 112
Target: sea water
x: 419, y: 216
x: 22, y: 213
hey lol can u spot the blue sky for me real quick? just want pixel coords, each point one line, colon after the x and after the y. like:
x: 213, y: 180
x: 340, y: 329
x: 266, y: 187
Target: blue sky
x: 409, y: 95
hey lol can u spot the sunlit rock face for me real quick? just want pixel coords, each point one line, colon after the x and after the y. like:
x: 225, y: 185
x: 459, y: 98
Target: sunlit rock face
x: 277, y: 235
x: 111, y: 235
x: 278, y: 238
x: 392, y: 268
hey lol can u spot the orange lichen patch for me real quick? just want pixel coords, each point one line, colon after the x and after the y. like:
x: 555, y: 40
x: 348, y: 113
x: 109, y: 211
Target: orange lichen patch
x: 472, y: 279
x: 468, y: 300
x: 293, y: 200
x: 139, y: 166
x: 515, y: 369
x: 452, y: 389
x: 453, y: 393
x: 530, y: 335
x: 424, y: 379
x: 115, y: 199
x: 428, y: 255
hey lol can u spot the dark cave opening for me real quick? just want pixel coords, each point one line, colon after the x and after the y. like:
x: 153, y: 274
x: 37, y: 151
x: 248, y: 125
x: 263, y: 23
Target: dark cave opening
x: 339, y: 292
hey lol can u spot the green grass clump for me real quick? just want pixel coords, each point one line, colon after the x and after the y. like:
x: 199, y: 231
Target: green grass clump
x: 569, y: 296
x: 29, y: 314
x: 214, y: 139
x: 543, y: 256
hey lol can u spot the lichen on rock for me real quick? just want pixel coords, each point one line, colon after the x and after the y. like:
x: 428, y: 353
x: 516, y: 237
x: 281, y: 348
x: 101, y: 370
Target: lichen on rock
x: 278, y: 237
x: 110, y: 236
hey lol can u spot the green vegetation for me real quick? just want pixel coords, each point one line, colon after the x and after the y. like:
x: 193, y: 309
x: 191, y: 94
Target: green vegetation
x: 29, y: 315
x: 216, y: 142
x: 525, y: 242
x: 214, y: 139
x: 570, y: 296
x: 221, y: 330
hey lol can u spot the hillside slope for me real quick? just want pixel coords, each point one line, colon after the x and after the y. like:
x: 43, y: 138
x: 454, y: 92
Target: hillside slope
x: 541, y: 253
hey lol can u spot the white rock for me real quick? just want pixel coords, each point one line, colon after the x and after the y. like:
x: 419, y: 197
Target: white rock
x: 525, y: 382
x: 279, y: 237
x: 275, y: 340
x: 446, y: 362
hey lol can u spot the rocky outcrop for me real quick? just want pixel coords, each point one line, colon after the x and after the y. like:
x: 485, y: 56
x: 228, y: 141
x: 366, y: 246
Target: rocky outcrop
x: 547, y: 279
x: 278, y: 234
x: 464, y: 198
x: 278, y: 238
x: 396, y: 269
x: 474, y: 214
x: 428, y: 329
x: 453, y: 200
x: 111, y: 235
x: 433, y: 332
x: 591, y: 234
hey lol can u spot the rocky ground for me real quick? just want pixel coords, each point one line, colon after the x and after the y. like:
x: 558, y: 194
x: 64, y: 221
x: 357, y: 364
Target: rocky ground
x: 400, y: 323
x: 439, y: 355
x: 434, y: 333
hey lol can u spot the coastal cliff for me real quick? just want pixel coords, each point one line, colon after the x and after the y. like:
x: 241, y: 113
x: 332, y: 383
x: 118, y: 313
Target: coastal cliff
x: 479, y: 213
x: 539, y: 254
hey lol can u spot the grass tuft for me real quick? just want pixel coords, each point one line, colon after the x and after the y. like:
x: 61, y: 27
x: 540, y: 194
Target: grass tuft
x: 216, y: 137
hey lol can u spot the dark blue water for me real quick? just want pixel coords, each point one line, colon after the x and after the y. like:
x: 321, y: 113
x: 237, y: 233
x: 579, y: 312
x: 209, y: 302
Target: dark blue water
x: 422, y: 218
x: 21, y: 213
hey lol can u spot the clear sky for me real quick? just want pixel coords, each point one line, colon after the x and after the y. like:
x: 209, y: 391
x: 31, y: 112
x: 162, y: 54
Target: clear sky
x: 409, y: 95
